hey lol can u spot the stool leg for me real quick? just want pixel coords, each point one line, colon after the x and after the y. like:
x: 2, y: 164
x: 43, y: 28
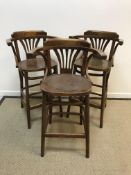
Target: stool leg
x: 50, y: 108
x: 50, y: 114
x: 86, y: 122
x: 43, y: 125
x: 61, y: 110
x: 107, y: 77
x: 81, y: 115
x: 21, y: 88
x: 68, y: 109
x: 103, y: 99
x: 81, y: 112
x: 27, y: 100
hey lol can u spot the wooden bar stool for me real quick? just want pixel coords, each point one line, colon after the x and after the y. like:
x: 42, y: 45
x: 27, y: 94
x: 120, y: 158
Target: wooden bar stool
x: 106, y: 42
x: 66, y: 84
x: 21, y: 43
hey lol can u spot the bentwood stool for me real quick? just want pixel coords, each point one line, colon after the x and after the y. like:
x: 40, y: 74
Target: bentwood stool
x: 21, y: 43
x: 106, y: 42
x: 66, y: 84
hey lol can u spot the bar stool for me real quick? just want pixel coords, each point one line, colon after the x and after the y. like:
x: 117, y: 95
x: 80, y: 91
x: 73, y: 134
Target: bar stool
x: 21, y: 43
x: 106, y: 42
x: 66, y: 84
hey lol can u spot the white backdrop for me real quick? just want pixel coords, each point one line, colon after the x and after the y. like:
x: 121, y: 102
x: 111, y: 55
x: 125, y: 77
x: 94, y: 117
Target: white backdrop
x: 64, y: 18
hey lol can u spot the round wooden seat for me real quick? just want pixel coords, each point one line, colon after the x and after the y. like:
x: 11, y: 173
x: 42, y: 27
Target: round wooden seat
x: 95, y: 64
x: 66, y: 85
x: 36, y: 64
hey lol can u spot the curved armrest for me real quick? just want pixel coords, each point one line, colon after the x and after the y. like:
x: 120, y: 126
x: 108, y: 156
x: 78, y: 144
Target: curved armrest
x: 51, y: 37
x: 34, y: 52
x: 121, y: 42
x: 77, y: 37
x: 98, y: 53
x: 9, y: 42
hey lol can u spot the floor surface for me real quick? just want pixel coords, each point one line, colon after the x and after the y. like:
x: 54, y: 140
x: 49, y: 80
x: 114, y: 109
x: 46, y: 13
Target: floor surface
x: 110, y: 147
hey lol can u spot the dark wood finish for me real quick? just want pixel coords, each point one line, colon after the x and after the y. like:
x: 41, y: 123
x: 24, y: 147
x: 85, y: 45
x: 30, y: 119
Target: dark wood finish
x: 96, y: 64
x: 32, y: 65
x: 66, y: 84
x: 1, y: 100
x: 106, y: 42
x: 63, y: 135
x: 62, y: 85
x: 22, y: 42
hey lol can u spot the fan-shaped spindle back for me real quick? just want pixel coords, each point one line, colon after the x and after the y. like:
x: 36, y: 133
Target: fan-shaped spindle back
x: 103, y: 40
x: 27, y: 40
x: 66, y: 57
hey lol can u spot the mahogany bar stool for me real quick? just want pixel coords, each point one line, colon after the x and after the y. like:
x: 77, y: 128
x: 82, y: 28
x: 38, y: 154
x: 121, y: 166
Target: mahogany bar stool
x: 106, y: 42
x: 21, y: 43
x: 66, y: 84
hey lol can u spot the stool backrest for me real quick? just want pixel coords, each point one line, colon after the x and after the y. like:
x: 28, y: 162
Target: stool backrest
x: 24, y: 41
x: 65, y: 52
x: 104, y: 41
